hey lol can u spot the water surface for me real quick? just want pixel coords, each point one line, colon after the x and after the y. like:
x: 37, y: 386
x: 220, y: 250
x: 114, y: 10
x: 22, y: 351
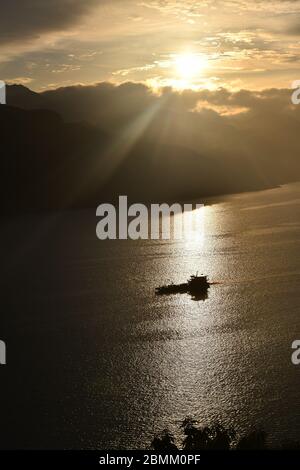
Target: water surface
x: 96, y: 360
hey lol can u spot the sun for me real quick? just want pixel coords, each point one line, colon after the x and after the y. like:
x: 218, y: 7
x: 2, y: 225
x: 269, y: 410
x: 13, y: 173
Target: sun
x: 189, y: 66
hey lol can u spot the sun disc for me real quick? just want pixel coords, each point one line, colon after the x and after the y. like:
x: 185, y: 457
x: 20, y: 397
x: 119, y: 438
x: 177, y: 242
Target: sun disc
x: 189, y: 65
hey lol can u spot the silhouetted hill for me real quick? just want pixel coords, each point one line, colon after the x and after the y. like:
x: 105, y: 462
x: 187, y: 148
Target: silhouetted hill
x: 155, y: 171
x: 49, y: 164
x: 21, y: 97
x: 46, y: 163
x: 177, y: 138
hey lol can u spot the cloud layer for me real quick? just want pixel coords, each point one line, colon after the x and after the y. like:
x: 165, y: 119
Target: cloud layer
x: 21, y: 20
x: 246, y: 43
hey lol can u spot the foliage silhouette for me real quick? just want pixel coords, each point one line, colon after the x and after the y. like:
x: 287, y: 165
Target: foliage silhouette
x: 164, y: 442
x: 214, y: 437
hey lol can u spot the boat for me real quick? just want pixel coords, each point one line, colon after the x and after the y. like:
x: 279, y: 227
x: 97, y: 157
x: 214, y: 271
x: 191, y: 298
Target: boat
x: 196, y: 286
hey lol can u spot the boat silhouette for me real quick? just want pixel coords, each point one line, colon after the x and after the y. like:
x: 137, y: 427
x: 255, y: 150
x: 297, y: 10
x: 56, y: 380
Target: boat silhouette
x: 196, y: 286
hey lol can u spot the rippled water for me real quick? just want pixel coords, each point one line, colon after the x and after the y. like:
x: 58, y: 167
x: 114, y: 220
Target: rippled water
x: 96, y: 360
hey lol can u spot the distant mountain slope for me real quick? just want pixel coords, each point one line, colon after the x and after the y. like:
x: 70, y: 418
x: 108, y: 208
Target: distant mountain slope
x: 47, y: 163
x: 22, y: 97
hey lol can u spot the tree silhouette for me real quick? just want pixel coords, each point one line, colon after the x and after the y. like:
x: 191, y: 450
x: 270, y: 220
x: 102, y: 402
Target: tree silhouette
x: 165, y: 442
x: 214, y: 437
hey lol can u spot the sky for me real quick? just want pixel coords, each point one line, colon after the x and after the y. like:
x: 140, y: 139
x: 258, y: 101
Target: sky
x: 233, y: 44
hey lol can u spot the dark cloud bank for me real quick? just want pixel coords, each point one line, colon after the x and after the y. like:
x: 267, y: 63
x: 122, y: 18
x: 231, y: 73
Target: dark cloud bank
x: 92, y: 143
x: 26, y: 19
